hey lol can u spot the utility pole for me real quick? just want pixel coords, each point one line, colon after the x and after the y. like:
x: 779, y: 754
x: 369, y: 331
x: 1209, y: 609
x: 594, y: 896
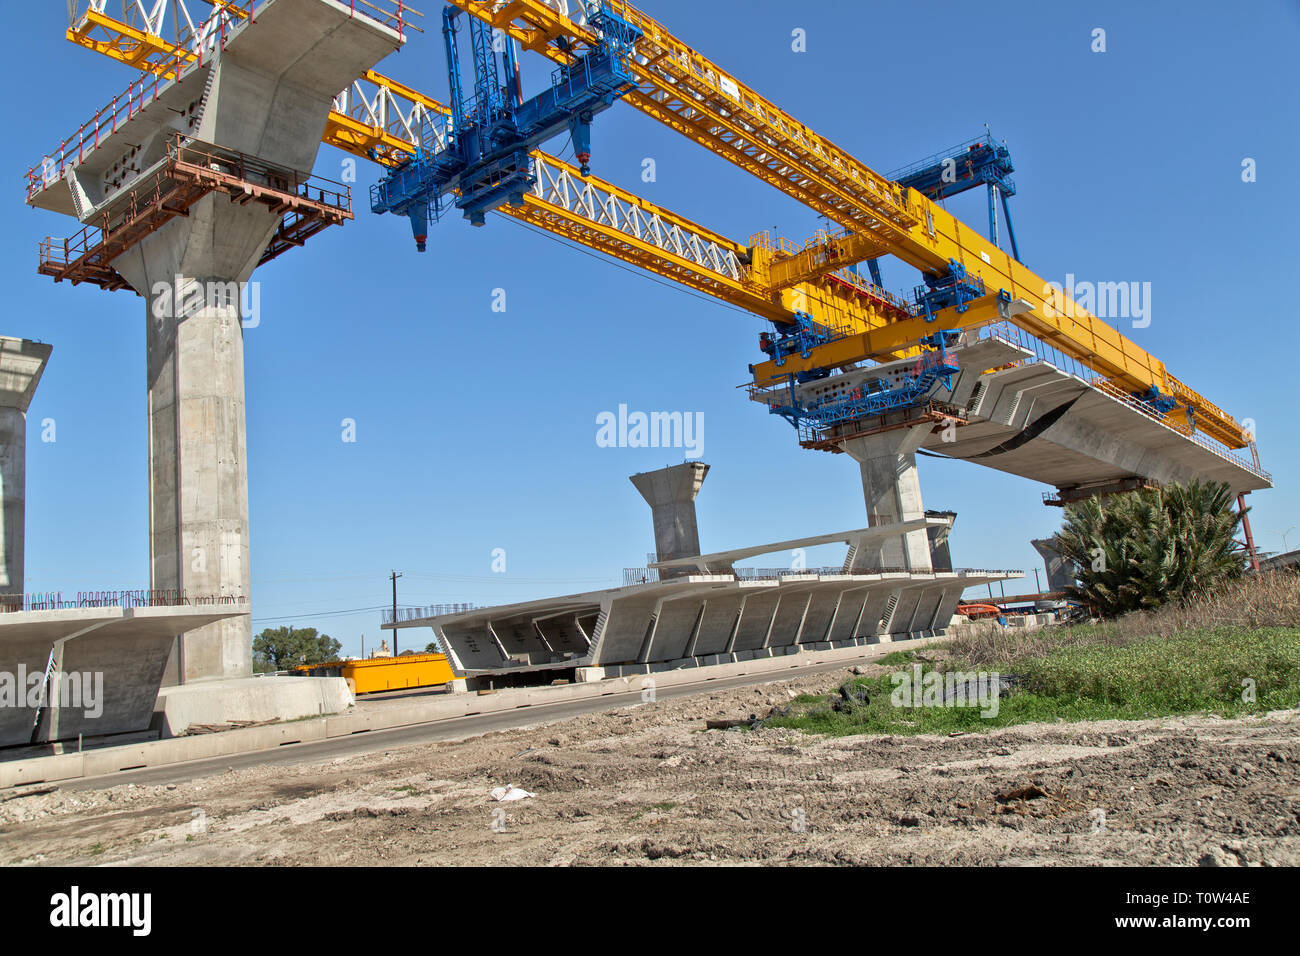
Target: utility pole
x: 395, y: 576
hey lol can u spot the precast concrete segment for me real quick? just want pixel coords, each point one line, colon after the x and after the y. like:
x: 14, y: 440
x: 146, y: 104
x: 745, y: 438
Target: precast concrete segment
x: 892, y: 490
x: 120, y: 651
x: 22, y: 362
x: 701, y: 617
x: 671, y: 492
x: 1045, y: 424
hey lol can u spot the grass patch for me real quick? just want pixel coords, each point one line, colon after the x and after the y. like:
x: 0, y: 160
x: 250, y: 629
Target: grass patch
x: 663, y: 807
x: 894, y: 658
x: 1083, y: 674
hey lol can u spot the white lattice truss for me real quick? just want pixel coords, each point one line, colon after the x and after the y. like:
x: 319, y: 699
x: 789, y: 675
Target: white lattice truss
x: 582, y: 199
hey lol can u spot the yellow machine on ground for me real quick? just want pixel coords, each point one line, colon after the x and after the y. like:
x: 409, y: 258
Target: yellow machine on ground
x: 372, y: 675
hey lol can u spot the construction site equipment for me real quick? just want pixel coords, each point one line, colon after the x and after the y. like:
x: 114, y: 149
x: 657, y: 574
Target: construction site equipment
x: 377, y: 674
x: 191, y: 171
x: 480, y: 159
x: 610, y: 50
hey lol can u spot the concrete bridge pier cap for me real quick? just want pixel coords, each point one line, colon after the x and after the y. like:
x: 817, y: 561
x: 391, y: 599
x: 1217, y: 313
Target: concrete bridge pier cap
x: 268, y: 96
x: 22, y: 363
x: 892, y: 490
x: 671, y: 493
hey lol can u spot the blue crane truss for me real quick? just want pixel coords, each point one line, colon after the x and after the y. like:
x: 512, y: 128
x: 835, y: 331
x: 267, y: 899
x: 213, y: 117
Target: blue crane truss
x: 484, y: 160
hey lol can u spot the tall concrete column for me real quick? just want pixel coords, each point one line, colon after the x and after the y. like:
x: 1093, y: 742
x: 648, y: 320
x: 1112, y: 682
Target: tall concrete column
x: 22, y: 363
x: 893, y: 493
x: 671, y: 493
x: 268, y: 97
x: 191, y: 273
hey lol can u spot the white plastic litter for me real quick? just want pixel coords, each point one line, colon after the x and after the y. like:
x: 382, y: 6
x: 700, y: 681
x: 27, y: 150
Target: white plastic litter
x: 510, y: 792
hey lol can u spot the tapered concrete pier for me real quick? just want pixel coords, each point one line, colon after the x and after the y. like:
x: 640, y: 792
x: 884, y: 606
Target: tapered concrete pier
x: 219, y: 153
x: 22, y: 363
x: 1059, y: 574
x: 892, y: 491
x: 671, y: 493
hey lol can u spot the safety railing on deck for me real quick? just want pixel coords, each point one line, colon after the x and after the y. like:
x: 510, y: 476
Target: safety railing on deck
x: 55, y: 601
x: 634, y: 576
x: 194, y: 46
x: 1042, y: 352
x: 433, y: 610
x: 103, y: 124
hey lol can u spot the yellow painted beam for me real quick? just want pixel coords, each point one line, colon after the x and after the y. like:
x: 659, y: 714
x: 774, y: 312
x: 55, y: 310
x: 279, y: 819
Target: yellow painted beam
x: 881, y: 343
x: 695, y: 97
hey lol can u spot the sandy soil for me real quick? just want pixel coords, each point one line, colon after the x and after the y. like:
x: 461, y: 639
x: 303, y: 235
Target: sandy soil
x: 649, y: 785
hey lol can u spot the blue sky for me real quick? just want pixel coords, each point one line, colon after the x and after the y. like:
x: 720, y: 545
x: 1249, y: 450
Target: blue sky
x: 476, y: 429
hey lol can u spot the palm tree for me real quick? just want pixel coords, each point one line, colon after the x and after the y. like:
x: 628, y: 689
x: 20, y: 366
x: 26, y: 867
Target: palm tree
x: 1138, y: 550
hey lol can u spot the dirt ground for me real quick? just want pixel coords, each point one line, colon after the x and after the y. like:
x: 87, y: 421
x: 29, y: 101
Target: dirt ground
x: 649, y: 785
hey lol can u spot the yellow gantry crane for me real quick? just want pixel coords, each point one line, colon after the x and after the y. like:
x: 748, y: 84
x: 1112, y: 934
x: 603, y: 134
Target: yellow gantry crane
x: 389, y: 123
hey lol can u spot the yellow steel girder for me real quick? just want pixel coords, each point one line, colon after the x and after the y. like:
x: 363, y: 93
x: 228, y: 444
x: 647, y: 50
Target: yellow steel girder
x: 692, y: 95
x: 689, y: 93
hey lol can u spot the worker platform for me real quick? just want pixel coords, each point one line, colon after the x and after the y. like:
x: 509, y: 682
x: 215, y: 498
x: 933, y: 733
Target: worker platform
x: 148, y: 156
x: 190, y: 171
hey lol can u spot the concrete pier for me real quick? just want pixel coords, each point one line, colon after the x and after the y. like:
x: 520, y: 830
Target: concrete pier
x: 22, y: 362
x: 671, y: 493
x: 264, y: 98
x: 198, y: 472
x: 892, y: 490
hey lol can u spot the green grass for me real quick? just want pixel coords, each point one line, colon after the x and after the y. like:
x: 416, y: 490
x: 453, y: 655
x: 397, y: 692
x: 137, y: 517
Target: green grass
x: 663, y: 807
x: 894, y: 658
x: 1193, y: 673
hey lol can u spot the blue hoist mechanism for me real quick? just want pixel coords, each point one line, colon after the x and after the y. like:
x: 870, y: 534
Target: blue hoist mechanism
x: 483, y: 161
x: 1161, y: 403
x: 955, y: 289
x: 932, y: 370
x: 802, y: 336
x: 980, y: 161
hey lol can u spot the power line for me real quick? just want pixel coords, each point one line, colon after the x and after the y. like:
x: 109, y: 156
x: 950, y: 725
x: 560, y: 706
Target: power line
x: 294, y: 617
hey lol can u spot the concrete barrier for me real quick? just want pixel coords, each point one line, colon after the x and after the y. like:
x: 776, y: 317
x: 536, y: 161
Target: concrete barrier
x: 387, y: 715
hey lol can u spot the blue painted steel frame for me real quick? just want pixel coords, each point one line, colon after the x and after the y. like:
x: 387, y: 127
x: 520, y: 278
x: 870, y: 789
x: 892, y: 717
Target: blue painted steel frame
x: 485, y: 161
x: 932, y: 371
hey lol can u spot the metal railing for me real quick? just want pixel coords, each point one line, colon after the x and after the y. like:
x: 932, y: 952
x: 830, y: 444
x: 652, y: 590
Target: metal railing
x: 189, y: 162
x: 190, y: 48
x: 635, y: 576
x: 433, y: 610
x: 85, y: 140
x: 1042, y: 352
x: 141, y: 597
